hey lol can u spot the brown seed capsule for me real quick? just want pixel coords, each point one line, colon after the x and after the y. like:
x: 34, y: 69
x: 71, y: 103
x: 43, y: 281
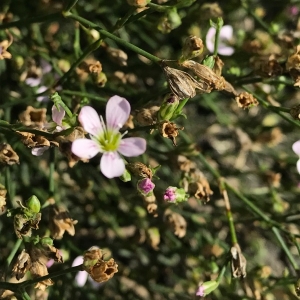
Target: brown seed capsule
x: 293, y: 66
x: 206, y: 76
x: 22, y: 265
x: 238, y: 262
x: 246, y: 100
x: 218, y: 66
x: 170, y: 130
x: 7, y: 155
x: 266, y: 66
x: 192, y: 47
x: 139, y: 169
x: 182, y: 84
x: 3, y: 192
x: 176, y: 222
x: 200, y: 189
x: 147, y: 116
x: 39, y: 269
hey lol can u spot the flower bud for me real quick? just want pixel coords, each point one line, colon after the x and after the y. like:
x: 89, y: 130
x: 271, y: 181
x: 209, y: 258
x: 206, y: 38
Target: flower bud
x: 192, y: 47
x: 206, y: 287
x: 46, y: 241
x: 145, y: 186
x: 175, y: 195
x: 126, y: 176
x: 168, y: 107
x: 169, y: 21
x: 33, y: 204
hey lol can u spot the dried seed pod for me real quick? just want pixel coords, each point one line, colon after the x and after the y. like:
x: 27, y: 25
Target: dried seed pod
x: 22, y: 265
x: 266, y: 66
x: 200, y: 189
x: 3, y: 192
x: 293, y: 66
x: 218, y: 65
x: 39, y: 269
x: 7, y: 155
x: 246, y: 100
x: 147, y: 116
x: 33, y: 116
x: 206, y: 76
x: 182, y: 84
x: 192, y: 47
x: 23, y: 224
x: 138, y: 169
x: 238, y: 262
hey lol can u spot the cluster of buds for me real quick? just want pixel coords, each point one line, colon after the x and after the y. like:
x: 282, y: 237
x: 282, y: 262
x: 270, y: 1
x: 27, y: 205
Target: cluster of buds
x: 26, y: 217
x: 99, y: 269
x: 34, y: 258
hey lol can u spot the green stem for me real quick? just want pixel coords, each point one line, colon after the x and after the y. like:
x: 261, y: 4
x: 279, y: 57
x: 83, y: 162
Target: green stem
x: 13, y: 251
x: 82, y: 94
x: 105, y: 33
x: 285, y: 249
x: 25, y: 296
x: 51, y: 172
x: 121, y: 22
x: 70, y: 5
x: 222, y: 273
x: 27, y: 21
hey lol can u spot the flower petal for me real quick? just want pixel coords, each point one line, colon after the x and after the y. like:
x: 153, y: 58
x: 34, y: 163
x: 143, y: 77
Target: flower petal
x: 296, y: 147
x: 117, y: 112
x: 226, y: 32
x: 85, y: 148
x: 90, y: 120
x: 112, y: 165
x: 131, y: 147
x: 210, y: 39
x: 298, y: 166
x: 225, y: 50
x: 58, y: 115
x: 38, y: 151
x: 33, y: 81
x: 81, y: 276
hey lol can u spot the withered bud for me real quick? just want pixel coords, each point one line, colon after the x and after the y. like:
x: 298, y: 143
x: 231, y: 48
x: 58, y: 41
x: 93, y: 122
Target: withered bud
x: 22, y: 265
x: 246, y: 100
x: 169, y: 130
x: 266, y: 67
x: 192, y: 47
x: 150, y: 201
x: 229, y: 90
x: 293, y: 61
x: 118, y: 56
x: 273, y: 179
x: 211, y: 11
x: 129, y: 123
x: 99, y: 270
x: 60, y: 221
x: 295, y: 112
x: 24, y: 224
x: 153, y: 237
x: 39, y: 269
x: 31, y: 140
x: 3, y: 192
x: 4, y: 45
x: 185, y: 164
x: 7, y: 155
x: 95, y: 68
x: 200, y: 190
x: 238, y: 262
x: 218, y: 66
x: 138, y: 169
x: 137, y: 3
x: 147, y: 116
x: 176, y: 222
x: 33, y: 116
x: 206, y: 75
x: 182, y: 84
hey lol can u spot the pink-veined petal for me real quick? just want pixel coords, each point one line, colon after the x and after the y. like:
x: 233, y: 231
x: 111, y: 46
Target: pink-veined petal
x: 298, y: 166
x: 85, y: 148
x: 38, y: 151
x: 296, y: 147
x: 131, y: 147
x: 90, y: 121
x: 117, y: 112
x: 112, y: 165
x: 58, y: 115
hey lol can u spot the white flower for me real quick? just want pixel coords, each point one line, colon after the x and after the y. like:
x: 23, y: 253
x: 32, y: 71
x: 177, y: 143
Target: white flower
x: 225, y: 36
x: 296, y: 149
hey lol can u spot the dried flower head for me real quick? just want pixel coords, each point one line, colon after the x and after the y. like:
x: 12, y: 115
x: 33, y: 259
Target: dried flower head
x: 4, y: 45
x: 192, y: 47
x: 3, y: 192
x: 211, y: 10
x: 238, y: 262
x: 60, y: 221
x: 147, y: 116
x: 39, y: 269
x: 22, y: 265
x: 7, y: 155
x: 176, y: 222
x: 182, y: 84
x: 138, y: 169
x: 266, y: 66
x: 206, y: 75
x: 246, y: 100
x: 33, y: 116
x: 169, y: 130
x: 218, y: 66
x: 95, y: 68
x: 150, y: 201
x: 200, y: 189
x: 153, y: 237
x: 99, y: 269
x: 293, y: 66
x: 117, y: 55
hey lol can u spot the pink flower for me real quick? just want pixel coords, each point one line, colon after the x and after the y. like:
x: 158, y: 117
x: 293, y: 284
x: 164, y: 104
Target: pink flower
x: 296, y: 149
x: 106, y: 138
x: 145, y: 186
x: 200, y: 291
x: 170, y: 195
x: 226, y: 34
